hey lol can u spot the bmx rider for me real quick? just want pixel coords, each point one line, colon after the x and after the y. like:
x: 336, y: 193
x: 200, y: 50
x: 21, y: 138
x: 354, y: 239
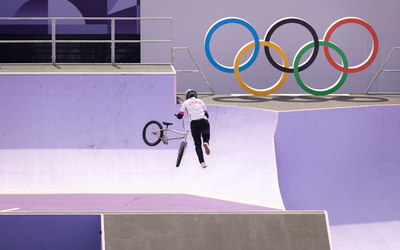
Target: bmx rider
x: 199, y: 125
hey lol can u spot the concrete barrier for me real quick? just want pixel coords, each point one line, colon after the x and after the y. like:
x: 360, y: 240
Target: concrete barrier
x: 50, y: 231
x: 244, y: 230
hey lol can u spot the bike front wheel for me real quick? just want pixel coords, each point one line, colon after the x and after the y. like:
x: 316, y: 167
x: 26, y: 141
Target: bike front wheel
x: 152, y: 133
x: 181, y: 150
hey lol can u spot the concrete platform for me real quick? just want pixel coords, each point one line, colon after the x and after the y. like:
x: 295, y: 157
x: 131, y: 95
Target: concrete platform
x: 299, y: 102
x: 89, y: 69
x: 301, y: 230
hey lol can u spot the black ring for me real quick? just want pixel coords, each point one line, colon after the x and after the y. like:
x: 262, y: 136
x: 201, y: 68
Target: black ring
x: 298, y: 21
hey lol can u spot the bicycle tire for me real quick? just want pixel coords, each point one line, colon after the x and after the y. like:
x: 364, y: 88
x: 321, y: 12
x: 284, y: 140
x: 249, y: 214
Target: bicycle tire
x: 148, y: 137
x: 181, y: 151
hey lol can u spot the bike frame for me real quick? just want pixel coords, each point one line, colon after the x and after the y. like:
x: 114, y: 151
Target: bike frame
x: 165, y: 139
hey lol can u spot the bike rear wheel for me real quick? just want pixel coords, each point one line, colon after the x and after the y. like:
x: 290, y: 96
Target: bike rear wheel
x: 152, y: 132
x: 181, y: 151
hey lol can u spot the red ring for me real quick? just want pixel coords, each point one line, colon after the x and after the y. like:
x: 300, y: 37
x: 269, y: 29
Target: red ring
x: 371, y: 57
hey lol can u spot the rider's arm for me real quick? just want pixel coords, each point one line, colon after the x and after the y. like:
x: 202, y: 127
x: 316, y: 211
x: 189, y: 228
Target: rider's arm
x: 181, y: 111
x: 205, y: 110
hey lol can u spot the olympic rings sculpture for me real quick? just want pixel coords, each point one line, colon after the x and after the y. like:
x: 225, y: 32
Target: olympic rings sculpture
x: 296, y: 68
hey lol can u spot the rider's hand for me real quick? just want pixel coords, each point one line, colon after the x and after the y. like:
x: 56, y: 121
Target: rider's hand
x: 179, y: 116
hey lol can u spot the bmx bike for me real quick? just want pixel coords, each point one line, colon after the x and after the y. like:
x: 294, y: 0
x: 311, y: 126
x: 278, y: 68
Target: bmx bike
x: 154, y: 133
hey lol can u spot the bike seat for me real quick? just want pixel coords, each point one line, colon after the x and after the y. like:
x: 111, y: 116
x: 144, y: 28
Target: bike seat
x: 167, y: 123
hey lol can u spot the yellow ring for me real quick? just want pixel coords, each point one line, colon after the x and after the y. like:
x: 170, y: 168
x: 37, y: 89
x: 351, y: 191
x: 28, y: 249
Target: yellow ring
x: 249, y: 89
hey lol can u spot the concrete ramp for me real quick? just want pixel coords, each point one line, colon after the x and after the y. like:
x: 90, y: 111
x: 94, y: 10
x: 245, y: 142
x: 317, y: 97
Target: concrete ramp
x: 242, y: 163
x: 225, y: 231
x: 82, y: 133
x: 347, y: 162
x: 241, y: 167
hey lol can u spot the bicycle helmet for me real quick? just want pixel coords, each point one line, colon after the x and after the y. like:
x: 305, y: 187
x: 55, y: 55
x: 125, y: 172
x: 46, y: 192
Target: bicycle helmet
x: 189, y: 93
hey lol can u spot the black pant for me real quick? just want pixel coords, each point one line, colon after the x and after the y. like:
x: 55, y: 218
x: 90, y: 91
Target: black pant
x: 200, y: 128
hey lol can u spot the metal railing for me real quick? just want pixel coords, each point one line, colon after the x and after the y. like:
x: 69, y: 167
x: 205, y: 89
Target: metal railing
x: 113, y: 41
x: 383, y: 70
x: 192, y: 71
x: 54, y: 41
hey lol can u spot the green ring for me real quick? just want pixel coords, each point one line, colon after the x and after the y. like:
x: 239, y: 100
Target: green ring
x: 326, y: 91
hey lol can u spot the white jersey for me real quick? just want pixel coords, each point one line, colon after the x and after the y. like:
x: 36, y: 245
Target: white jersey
x: 195, y: 108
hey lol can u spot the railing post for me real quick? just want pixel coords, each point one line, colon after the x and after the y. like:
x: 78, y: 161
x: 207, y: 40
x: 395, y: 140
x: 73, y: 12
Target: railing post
x: 172, y: 49
x: 113, y: 41
x: 53, y: 41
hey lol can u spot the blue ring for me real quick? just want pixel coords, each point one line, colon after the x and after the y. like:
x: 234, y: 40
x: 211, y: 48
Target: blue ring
x: 218, y: 24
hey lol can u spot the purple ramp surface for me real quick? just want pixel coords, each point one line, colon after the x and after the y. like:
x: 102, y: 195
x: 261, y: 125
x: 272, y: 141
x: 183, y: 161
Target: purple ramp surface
x: 117, y: 203
x: 83, y: 134
x: 347, y: 162
x: 241, y: 167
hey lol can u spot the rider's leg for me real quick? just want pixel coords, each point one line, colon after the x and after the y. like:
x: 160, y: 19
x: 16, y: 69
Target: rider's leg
x: 195, y: 129
x: 206, y: 135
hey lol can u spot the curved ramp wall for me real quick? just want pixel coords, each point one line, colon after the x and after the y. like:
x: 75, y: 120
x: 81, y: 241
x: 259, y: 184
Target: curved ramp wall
x: 347, y: 162
x: 83, y: 134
